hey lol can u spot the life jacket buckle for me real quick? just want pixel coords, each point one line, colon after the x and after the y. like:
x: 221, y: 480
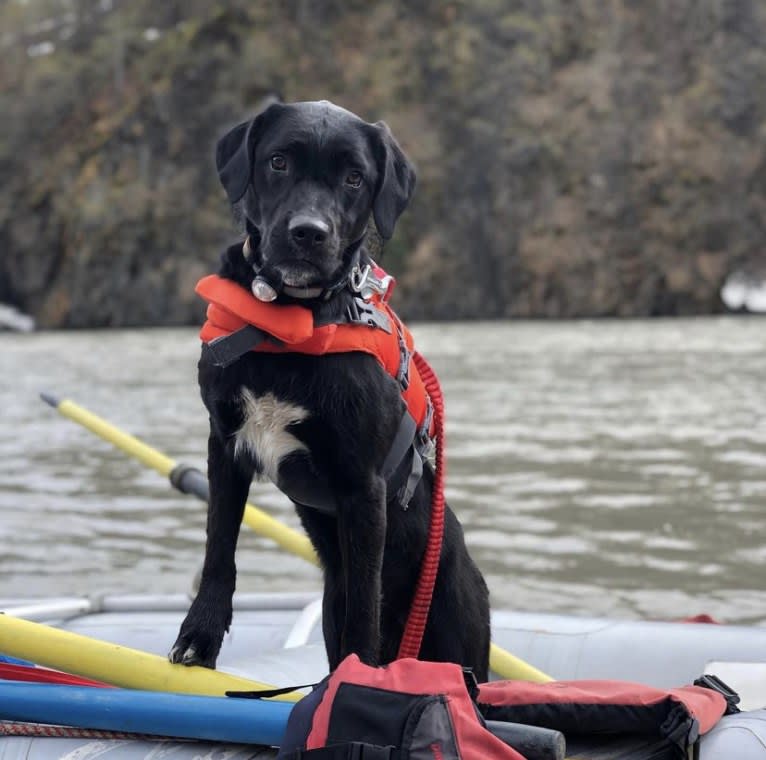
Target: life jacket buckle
x: 359, y: 312
x: 423, y: 441
x: 403, y: 374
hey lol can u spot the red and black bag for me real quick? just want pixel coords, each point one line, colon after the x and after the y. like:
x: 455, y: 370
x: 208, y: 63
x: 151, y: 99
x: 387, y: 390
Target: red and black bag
x: 642, y: 721
x: 408, y: 710
x: 414, y: 710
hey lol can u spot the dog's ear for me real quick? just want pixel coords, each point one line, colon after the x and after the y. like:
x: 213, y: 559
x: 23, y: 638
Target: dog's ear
x: 396, y: 180
x: 234, y: 152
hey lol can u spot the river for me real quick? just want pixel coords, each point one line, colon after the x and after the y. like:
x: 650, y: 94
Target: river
x: 599, y: 467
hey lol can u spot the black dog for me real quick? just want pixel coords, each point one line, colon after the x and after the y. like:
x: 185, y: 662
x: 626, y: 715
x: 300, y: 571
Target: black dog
x: 307, y: 177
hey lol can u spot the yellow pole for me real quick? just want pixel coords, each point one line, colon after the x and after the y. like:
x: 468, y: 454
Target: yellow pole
x: 502, y: 662
x: 507, y: 665
x: 114, y: 664
x: 256, y: 519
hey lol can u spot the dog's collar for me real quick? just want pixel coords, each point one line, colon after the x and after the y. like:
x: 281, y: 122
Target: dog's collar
x: 351, y: 276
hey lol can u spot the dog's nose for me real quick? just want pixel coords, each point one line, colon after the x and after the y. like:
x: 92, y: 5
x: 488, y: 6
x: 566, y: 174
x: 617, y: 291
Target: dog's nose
x: 307, y: 231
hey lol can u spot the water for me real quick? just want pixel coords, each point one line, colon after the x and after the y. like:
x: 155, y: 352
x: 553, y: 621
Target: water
x: 612, y: 468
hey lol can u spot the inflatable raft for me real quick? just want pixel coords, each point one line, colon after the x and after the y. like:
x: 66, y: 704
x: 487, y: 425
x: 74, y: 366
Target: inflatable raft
x: 276, y: 639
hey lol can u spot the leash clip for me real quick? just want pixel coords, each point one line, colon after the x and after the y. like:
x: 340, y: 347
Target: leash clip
x: 366, y: 282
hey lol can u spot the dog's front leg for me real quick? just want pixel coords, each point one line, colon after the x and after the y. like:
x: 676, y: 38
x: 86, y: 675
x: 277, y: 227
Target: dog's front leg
x: 209, y: 616
x: 362, y: 538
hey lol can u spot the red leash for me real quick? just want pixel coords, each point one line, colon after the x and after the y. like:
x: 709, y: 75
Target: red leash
x: 30, y: 673
x: 421, y: 603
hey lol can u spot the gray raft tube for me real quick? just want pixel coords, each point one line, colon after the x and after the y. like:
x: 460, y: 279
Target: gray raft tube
x: 736, y: 737
x: 660, y: 654
x: 566, y: 647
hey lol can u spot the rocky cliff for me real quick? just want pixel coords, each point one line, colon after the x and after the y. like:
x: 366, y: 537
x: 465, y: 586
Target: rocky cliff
x: 576, y: 157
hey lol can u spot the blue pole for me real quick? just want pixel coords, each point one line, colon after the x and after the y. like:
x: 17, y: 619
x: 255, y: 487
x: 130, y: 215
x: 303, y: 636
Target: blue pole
x: 223, y: 719
x: 16, y: 661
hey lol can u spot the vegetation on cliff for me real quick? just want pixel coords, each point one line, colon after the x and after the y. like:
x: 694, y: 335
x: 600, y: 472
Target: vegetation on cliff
x: 576, y: 157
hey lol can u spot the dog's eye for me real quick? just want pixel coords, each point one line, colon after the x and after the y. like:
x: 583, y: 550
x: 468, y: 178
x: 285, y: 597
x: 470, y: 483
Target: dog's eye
x: 278, y: 162
x: 354, y: 179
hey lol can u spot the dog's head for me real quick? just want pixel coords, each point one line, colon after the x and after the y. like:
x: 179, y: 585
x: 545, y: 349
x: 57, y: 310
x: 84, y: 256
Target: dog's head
x: 308, y: 176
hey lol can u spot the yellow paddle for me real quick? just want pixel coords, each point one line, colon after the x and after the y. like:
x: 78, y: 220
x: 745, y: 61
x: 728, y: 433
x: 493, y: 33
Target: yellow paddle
x: 190, y: 480
x: 186, y: 479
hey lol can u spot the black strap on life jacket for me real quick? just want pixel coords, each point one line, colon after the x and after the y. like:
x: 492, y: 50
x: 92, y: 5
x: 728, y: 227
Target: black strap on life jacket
x: 226, y: 349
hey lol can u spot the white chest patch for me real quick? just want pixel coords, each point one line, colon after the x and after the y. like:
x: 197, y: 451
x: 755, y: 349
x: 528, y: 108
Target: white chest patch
x: 263, y: 432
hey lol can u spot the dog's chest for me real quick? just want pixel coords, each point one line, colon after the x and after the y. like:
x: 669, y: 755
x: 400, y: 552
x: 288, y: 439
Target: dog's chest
x: 265, y: 430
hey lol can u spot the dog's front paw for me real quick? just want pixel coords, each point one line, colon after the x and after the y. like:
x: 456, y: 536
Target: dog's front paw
x: 198, y: 643
x: 183, y: 653
x: 195, y: 648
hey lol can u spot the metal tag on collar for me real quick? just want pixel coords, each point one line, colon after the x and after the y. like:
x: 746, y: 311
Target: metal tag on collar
x: 365, y: 282
x: 263, y: 290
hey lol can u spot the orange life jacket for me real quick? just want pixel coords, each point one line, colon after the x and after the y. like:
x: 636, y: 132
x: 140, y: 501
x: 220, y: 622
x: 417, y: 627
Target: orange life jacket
x: 231, y: 308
